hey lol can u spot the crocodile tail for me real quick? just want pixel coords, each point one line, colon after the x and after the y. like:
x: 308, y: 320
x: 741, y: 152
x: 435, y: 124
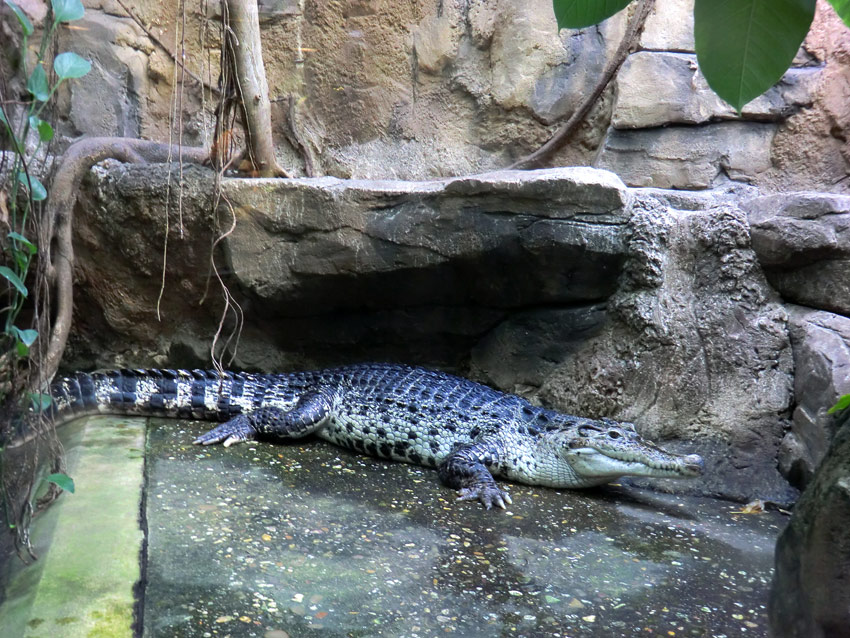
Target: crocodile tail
x: 190, y: 394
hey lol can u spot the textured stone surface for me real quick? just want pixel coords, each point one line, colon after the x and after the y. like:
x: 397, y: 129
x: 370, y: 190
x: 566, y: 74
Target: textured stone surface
x: 803, y: 242
x: 821, y: 343
x: 423, y: 90
x: 697, y: 345
x: 810, y: 152
x: 670, y: 26
x: 688, y: 157
x: 809, y: 597
x: 681, y: 95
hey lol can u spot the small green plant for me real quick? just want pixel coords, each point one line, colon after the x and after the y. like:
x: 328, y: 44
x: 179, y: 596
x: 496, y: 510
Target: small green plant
x: 842, y: 404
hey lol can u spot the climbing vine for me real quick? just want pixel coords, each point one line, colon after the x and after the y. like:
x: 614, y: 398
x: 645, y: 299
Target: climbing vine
x: 25, y: 310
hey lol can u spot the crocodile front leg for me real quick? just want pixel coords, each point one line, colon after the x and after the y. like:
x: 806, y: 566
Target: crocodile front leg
x: 306, y: 417
x: 465, y: 470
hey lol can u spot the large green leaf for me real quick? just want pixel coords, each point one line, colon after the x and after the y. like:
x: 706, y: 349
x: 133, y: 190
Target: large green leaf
x: 745, y: 46
x: 575, y: 14
x: 67, y: 10
x: 842, y: 8
x: 26, y: 25
x: 37, y: 84
x: 70, y: 65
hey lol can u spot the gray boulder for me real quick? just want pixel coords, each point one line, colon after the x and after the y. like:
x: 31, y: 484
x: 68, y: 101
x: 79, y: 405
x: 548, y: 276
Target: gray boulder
x: 803, y: 243
x: 821, y: 344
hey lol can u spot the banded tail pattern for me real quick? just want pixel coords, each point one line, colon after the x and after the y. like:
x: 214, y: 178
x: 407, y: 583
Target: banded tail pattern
x: 189, y: 394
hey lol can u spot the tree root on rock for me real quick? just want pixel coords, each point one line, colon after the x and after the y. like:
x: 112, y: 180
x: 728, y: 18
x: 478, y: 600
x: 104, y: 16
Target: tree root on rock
x: 630, y: 41
x: 56, y: 233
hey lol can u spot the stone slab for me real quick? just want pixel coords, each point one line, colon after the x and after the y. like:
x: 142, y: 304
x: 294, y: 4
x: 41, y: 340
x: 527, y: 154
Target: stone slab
x: 821, y: 346
x: 689, y: 158
x: 803, y: 242
x: 358, y: 242
x: 669, y: 26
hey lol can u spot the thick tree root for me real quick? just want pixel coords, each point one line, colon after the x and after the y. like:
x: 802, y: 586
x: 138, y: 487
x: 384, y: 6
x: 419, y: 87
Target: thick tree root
x: 57, y: 231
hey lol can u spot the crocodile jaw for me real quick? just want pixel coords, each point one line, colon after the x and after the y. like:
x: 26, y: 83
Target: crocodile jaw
x: 593, y: 463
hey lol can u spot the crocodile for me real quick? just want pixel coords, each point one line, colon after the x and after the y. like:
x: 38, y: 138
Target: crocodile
x: 468, y: 431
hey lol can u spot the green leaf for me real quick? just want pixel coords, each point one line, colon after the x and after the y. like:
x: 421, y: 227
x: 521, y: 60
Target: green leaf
x: 69, y: 65
x: 745, y: 46
x: 67, y: 10
x: 575, y: 14
x: 37, y: 84
x: 40, y: 402
x: 27, y: 337
x: 34, y: 186
x: 45, y: 131
x: 843, y: 404
x: 14, y: 280
x: 26, y: 25
x: 842, y: 8
x: 62, y: 480
x: 31, y: 247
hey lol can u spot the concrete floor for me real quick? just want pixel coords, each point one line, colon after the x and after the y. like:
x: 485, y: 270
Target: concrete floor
x: 310, y: 540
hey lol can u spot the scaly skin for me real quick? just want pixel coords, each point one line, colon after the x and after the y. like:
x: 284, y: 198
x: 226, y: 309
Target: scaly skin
x: 466, y: 430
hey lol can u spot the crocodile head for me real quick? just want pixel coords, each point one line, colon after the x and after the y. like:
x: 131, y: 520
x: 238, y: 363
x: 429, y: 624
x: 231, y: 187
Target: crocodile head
x: 602, y: 450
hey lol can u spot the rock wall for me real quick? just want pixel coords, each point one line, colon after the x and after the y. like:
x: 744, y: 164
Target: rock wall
x: 388, y: 90
x: 563, y: 285
x: 809, y: 597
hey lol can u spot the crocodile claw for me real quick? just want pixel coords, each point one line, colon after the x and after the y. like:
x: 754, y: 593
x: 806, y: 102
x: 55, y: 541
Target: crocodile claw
x: 237, y: 430
x: 489, y: 496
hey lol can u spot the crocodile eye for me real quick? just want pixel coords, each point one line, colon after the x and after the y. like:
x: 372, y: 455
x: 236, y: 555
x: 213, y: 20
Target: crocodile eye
x: 613, y: 434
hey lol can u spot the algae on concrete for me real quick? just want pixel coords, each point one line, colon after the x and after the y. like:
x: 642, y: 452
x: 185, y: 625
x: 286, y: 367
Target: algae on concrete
x: 88, y: 542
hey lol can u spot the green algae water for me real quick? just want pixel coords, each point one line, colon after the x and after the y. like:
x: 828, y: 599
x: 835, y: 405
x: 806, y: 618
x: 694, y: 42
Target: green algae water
x: 88, y: 542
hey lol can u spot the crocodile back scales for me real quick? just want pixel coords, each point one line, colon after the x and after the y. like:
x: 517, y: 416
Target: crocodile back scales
x: 393, y: 411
